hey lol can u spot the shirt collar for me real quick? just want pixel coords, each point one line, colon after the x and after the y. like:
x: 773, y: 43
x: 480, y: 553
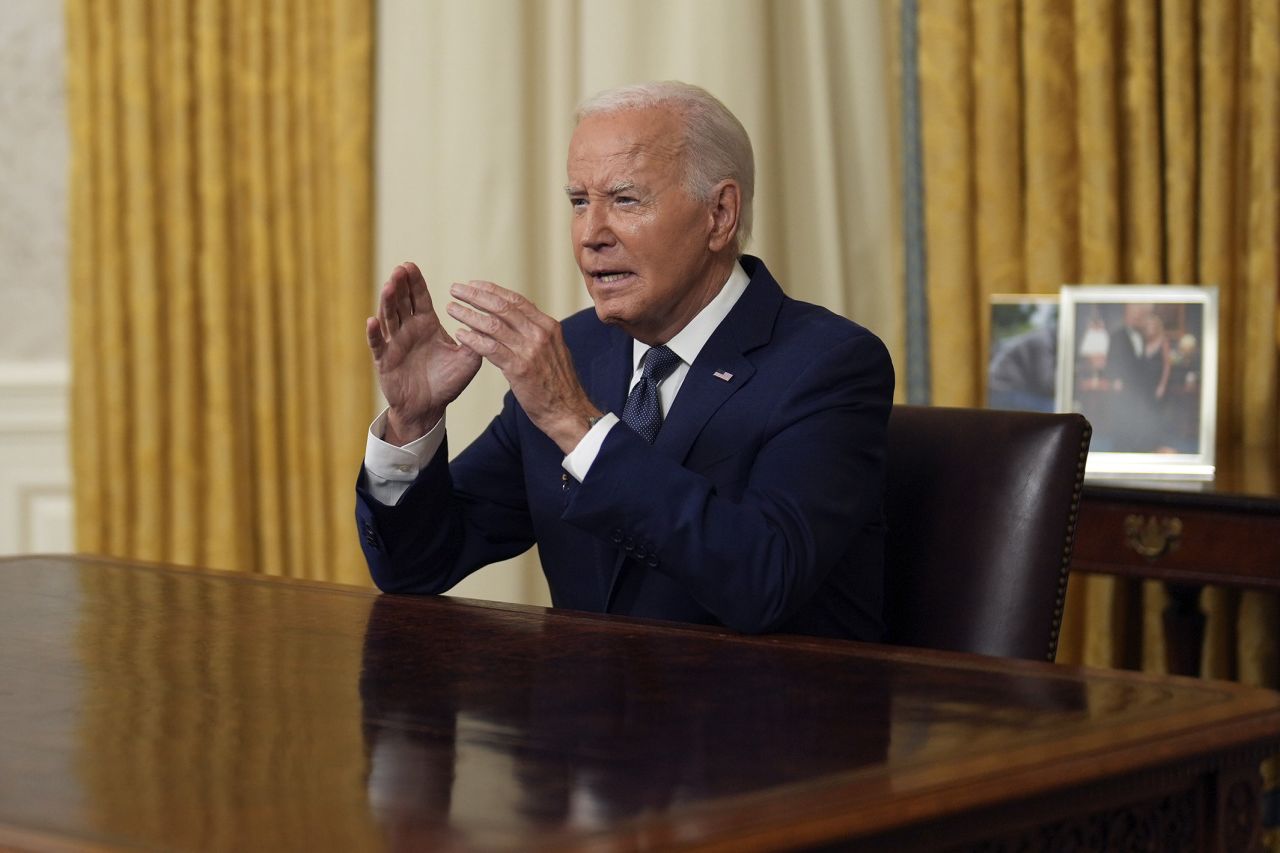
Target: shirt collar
x: 690, y: 340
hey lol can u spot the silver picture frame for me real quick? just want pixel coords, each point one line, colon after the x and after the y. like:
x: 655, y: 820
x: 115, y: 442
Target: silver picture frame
x: 1022, y: 354
x: 1141, y: 363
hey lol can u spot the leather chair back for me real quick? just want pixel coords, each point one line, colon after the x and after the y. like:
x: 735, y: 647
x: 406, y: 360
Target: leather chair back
x: 981, y: 506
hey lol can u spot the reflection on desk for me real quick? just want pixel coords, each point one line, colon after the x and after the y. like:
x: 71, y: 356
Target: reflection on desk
x: 516, y: 724
x: 160, y: 708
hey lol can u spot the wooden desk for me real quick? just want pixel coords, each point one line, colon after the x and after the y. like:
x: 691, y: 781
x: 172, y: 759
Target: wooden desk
x: 1224, y: 532
x: 144, y: 707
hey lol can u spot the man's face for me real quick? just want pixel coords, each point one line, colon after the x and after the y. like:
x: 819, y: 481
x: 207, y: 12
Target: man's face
x: 1136, y: 314
x: 641, y: 241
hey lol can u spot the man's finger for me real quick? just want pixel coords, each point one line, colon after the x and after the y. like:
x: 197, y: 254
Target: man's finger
x: 418, y: 293
x: 387, y: 305
x: 516, y: 305
x: 484, y: 324
x: 486, y: 347
x: 508, y: 305
x: 404, y: 301
x: 373, y: 331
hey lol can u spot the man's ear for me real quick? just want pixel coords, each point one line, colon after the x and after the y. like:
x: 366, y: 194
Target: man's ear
x: 725, y: 207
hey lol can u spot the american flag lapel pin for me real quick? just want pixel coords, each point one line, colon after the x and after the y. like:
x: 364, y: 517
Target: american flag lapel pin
x: 723, y: 375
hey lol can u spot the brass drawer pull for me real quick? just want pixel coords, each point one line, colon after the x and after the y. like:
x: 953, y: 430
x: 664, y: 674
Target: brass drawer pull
x: 1152, y: 537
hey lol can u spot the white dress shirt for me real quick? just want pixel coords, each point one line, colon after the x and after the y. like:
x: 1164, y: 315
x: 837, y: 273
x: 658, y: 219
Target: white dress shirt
x: 391, y: 469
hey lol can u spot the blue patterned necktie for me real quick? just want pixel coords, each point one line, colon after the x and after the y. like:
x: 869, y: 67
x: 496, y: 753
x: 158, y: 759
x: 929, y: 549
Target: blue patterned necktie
x: 643, y: 411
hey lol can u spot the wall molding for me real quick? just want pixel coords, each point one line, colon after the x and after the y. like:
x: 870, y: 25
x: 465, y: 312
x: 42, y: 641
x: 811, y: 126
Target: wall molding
x: 34, y: 395
x: 35, y: 468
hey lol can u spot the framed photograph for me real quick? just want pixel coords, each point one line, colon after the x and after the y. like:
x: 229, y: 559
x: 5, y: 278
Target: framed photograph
x: 1141, y: 363
x: 1022, y: 368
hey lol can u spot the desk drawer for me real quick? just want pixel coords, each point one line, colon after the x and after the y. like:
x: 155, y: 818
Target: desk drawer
x: 1178, y: 544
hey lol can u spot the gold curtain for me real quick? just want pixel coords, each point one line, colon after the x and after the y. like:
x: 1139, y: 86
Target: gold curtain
x: 221, y: 234
x: 1097, y: 142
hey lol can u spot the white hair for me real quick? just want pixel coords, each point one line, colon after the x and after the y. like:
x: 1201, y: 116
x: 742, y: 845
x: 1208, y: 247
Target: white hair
x: 716, y: 144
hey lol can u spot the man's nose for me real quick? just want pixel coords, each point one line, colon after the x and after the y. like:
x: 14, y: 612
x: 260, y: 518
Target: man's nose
x: 595, y: 232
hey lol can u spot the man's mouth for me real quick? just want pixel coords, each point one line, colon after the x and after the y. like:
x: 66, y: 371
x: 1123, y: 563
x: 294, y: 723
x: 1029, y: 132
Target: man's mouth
x: 610, y: 277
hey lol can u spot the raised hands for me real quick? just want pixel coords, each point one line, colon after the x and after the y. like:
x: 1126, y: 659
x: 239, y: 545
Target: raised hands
x: 420, y: 368
x: 529, y: 349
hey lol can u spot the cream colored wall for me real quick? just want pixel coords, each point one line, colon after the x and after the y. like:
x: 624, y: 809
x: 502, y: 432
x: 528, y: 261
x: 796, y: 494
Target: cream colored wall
x: 474, y: 104
x: 33, y: 175
x: 35, y: 478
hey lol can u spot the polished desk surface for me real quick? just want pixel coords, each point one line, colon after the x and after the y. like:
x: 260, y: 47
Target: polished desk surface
x: 152, y: 707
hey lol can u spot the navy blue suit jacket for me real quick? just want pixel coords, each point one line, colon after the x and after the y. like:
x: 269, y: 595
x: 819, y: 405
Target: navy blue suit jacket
x: 759, y: 506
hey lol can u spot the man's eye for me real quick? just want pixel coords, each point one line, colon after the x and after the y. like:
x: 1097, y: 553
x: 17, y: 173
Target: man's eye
x: 626, y: 199
x: 577, y: 202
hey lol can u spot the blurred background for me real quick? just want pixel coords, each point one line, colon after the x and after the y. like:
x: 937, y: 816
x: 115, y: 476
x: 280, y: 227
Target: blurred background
x: 201, y: 198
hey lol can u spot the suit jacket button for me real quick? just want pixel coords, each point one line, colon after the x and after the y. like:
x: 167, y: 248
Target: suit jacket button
x: 617, y: 535
x: 653, y: 561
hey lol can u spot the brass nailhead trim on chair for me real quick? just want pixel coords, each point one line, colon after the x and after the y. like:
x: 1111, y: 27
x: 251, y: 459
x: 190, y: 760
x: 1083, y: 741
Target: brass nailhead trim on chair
x: 1065, y: 567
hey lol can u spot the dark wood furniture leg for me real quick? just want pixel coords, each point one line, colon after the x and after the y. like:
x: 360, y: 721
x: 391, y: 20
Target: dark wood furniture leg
x: 1183, y: 629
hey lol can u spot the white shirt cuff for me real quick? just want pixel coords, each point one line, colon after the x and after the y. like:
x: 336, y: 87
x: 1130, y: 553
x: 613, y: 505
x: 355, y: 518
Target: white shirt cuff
x: 579, y: 460
x: 393, y: 469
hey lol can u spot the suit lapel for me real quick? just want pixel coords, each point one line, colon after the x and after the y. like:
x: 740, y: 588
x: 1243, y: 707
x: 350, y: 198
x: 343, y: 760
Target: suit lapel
x: 748, y: 326
x: 701, y: 395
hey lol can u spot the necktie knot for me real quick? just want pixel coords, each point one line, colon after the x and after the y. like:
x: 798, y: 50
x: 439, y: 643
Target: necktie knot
x: 658, y: 364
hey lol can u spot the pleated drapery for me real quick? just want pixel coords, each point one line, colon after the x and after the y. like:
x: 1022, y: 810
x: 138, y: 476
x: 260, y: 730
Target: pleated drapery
x: 1098, y: 143
x: 221, y: 252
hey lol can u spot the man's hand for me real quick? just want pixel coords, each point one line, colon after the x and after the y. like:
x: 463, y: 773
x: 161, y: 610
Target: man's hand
x: 420, y: 368
x: 529, y: 349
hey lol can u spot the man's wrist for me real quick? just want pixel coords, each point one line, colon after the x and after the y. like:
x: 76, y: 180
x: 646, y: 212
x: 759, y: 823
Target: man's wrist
x: 569, y: 428
x: 389, y: 463
x: 401, y: 430
x: 579, y: 460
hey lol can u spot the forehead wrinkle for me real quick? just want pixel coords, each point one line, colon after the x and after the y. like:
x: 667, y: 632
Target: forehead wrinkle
x: 655, y: 147
x: 635, y: 166
x: 631, y: 153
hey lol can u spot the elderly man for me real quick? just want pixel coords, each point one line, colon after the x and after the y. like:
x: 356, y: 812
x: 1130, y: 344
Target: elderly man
x: 699, y: 448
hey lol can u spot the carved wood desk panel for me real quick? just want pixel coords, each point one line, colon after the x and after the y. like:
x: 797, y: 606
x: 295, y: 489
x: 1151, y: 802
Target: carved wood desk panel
x: 158, y: 708
x: 1226, y: 532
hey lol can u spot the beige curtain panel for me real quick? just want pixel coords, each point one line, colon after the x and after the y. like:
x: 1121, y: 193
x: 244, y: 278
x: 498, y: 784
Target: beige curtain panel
x: 1097, y: 143
x: 222, y: 236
